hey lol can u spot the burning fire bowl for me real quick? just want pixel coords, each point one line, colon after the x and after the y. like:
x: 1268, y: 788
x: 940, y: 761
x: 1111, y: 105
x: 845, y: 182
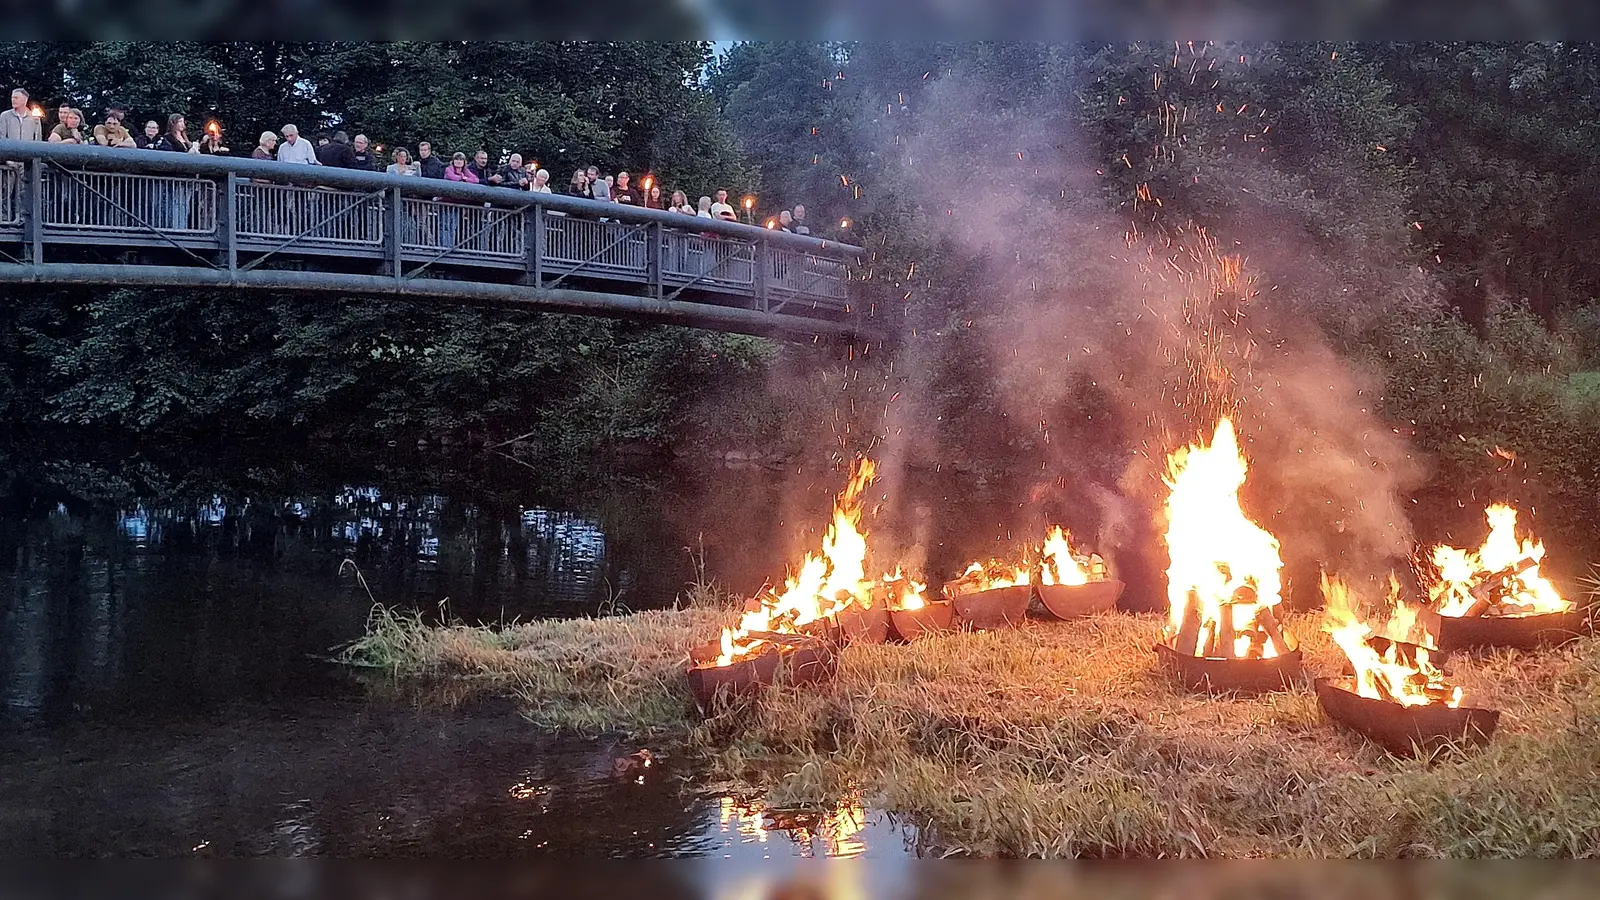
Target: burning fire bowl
x: 935, y: 615
x: 713, y: 685
x: 996, y: 608
x: 1074, y: 601
x: 1403, y: 730
x: 1526, y: 632
x: 863, y: 624
x: 1222, y: 675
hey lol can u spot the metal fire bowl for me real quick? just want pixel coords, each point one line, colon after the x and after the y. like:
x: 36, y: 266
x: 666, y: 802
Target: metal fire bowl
x: 1404, y: 730
x: 810, y: 663
x: 863, y: 625
x: 1074, y: 601
x: 1526, y: 632
x: 714, y: 686
x: 998, y: 608
x: 1243, y: 676
x: 936, y: 615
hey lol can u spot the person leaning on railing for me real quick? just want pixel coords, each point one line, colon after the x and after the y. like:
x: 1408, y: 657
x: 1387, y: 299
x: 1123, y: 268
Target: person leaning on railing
x: 112, y: 133
x: 70, y: 129
x: 150, y: 137
x: 402, y: 164
x: 429, y: 165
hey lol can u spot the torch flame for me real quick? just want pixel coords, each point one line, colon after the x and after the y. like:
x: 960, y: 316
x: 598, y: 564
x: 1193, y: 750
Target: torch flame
x: 1501, y: 578
x: 1224, y: 577
x: 1384, y: 670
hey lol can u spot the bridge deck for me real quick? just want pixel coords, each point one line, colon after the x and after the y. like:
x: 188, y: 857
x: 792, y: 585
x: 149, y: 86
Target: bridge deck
x: 151, y: 218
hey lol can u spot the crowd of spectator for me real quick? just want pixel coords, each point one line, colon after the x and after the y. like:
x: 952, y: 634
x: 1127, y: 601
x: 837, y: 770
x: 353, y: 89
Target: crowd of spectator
x: 339, y: 150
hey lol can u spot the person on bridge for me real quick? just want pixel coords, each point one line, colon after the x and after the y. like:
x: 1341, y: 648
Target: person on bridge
x: 176, y: 138
x: 512, y: 174
x: 211, y: 141
x: 622, y: 191
x: 460, y: 171
x: 70, y: 129
x: 722, y: 209
x: 361, y: 152
x: 150, y: 137
x: 265, y: 147
x: 541, y: 182
x: 680, y: 203
x: 112, y: 133
x: 428, y: 165
x: 800, y: 226
x: 579, y: 186
x: 295, y: 149
x: 599, y: 188
x: 402, y: 163
x: 18, y: 123
x: 480, y: 167
x: 336, y: 154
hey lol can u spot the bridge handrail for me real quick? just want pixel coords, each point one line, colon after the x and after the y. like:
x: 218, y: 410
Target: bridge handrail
x: 147, y: 162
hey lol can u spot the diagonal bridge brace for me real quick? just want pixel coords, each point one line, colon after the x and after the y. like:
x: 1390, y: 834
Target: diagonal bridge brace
x: 709, y: 272
x: 578, y: 269
x: 353, y: 204
x: 78, y: 178
x: 502, y: 215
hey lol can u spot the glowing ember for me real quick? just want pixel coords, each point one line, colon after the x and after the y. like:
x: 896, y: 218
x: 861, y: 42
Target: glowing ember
x: 990, y: 576
x: 1224, y: 577
x: 902, y: 592
x: 1500, y: 579
x: 1389, y: 665
x: 826, y: 583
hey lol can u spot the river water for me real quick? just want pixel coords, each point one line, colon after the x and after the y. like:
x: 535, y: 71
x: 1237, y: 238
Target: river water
x: 164, y: 688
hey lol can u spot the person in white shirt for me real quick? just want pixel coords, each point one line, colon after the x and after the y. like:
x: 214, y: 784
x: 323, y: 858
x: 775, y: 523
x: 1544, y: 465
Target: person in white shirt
x: 541, y: 182
x: 295, y: 150
x: 722, y: 209
x: 705, y: 209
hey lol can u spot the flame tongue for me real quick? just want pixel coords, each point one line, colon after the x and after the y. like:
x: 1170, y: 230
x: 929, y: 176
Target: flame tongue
x: 1501, y: 578
x: 825, y: 584
x: 1059, y: 565
x: 1224, y: 577
x: 1385, y: 669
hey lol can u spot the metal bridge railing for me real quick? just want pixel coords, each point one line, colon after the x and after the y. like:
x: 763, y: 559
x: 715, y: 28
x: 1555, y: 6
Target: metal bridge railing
x: 309, y: 215
x: 463, y: 229
x: 108, y: 201
x: 400, y: 229
x: 10, y: 209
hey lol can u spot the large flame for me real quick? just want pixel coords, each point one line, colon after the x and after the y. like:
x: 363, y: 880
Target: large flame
x: 826, y: 583
x: 1501, y: 578
x: 1389, y: 665
x: 1224, y: 577
x: 1059, y: 564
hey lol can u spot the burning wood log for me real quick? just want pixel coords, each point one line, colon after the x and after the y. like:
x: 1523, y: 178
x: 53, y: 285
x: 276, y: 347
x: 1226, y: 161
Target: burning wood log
x: 1188, y: 637
x: 1488, y: 592
x: 1225, y: 635
x: 1268, y: 623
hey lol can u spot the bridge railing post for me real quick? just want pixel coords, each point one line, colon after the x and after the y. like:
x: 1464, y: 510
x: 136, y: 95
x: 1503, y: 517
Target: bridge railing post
x: 653, y: 260
x: 763, y: 263
x: 394, y: 238
x: 533, y: 238
x: 33, y: 216
x: 228, y: 222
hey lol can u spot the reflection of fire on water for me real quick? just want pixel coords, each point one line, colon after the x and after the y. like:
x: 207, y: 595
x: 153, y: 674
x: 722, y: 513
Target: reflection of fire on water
x: 836, y: 833
x: 1223, y: 581
x: 1501, y: 578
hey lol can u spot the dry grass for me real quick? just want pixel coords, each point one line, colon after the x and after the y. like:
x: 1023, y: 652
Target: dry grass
x: 1063, y: 739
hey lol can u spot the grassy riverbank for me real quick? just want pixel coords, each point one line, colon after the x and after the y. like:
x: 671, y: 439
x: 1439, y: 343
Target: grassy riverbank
x: 1064, y: 739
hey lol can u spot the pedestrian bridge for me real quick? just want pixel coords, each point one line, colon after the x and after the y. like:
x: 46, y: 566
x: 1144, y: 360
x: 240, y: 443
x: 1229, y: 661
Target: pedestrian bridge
x: 94, y: 215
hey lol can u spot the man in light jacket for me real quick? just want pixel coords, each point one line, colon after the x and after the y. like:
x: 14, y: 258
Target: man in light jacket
x: 18, y: 123
x: 294, y: 149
